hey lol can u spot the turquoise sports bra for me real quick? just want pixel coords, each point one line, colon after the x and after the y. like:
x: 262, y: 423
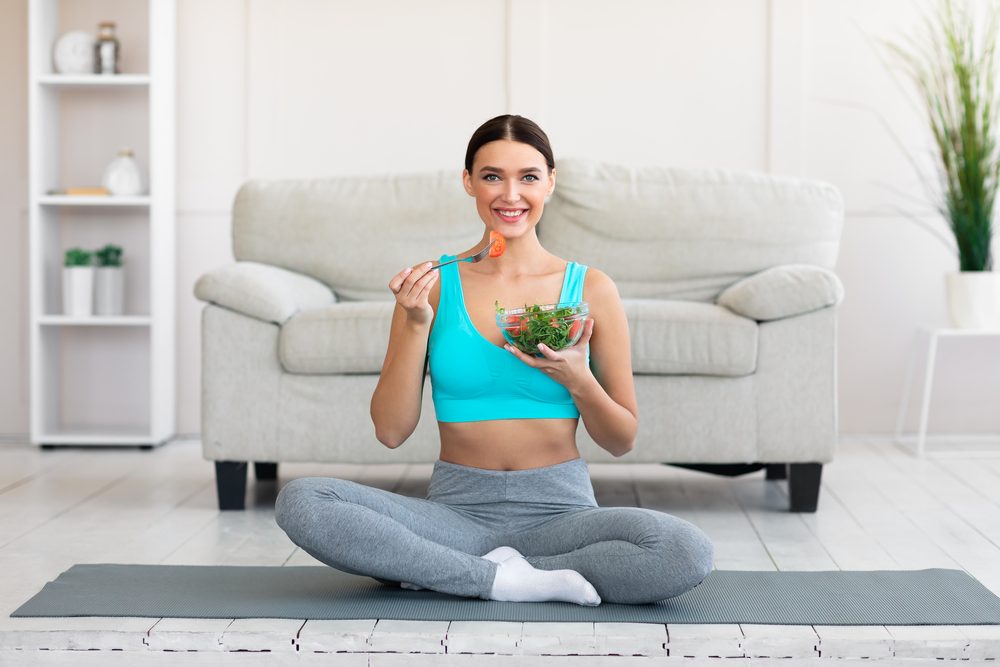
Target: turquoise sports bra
x: 473, y: 379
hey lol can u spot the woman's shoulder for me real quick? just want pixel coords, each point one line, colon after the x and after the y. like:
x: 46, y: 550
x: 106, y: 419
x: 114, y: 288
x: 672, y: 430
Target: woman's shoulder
x: 599, y: 287
x: 597, y: 279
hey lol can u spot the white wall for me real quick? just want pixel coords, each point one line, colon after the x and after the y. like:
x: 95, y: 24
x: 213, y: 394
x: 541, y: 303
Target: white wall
x: 313, y: 88
x: 14, y: 219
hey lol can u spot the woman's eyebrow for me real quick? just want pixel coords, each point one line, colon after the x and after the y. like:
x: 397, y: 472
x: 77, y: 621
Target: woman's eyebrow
x: 498, y: 170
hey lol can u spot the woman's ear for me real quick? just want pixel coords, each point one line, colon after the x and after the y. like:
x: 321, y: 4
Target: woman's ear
x: 552, y: 183
x: 467, y: 183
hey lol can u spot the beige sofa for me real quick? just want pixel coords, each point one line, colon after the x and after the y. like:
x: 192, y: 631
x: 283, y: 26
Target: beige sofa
x: 726, y: 278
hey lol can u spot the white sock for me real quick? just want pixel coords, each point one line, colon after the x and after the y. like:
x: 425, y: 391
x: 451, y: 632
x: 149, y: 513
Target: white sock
x: 498, y: 555
x: 517, y: 581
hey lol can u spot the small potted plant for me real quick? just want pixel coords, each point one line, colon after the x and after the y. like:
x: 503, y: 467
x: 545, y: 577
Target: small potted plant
x: 108, y: 287
x: 78, y: 283
x: 956, y: 78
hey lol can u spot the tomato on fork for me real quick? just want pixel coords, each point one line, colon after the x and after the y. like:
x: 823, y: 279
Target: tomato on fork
x: 497, y: 243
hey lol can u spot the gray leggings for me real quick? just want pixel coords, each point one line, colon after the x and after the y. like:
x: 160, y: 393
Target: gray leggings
x: 549, y: 514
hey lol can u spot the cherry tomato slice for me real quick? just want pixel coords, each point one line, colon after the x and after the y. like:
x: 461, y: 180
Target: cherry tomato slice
x: 574, y: 329
x: 497, y: 243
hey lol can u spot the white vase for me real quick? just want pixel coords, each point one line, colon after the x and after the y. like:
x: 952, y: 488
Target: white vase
x: 974, y: 299
x: 78, y: 291
x: 122, y: 176
x: 108, y: 290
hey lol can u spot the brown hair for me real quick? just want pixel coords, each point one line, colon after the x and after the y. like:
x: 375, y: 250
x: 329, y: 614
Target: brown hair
x: 511, y: 128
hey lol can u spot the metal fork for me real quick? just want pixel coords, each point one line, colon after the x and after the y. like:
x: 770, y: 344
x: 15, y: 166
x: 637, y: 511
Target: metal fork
x: 475, y: 258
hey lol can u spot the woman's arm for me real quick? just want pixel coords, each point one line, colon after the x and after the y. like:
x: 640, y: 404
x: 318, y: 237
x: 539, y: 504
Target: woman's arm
x: 396, y: 401
x: 603, y: 391
x: 606, y: 396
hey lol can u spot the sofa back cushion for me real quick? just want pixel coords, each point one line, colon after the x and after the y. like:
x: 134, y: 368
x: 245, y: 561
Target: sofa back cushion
x: 658, y: 232
x: 354, y: 233
x: 686, y: 233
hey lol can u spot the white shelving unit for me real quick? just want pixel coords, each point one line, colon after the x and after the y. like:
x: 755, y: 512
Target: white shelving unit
x: 103, y: 380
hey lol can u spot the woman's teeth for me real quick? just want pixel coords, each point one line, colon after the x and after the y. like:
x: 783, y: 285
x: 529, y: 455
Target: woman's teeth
x: 511, y: 214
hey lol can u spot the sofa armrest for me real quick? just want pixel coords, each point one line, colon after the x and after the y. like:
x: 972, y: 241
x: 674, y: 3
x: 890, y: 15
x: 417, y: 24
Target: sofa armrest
x: 266, y: 292
x: 783, y: 291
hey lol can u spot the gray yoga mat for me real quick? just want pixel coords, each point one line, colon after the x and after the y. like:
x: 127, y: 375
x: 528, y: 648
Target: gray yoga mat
x: 879, y: 597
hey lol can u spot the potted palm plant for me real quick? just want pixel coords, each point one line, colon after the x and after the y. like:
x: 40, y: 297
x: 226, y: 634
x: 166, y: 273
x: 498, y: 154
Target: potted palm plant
x: 954, y: 70
x: 108, y: 286
x: 78, y: 283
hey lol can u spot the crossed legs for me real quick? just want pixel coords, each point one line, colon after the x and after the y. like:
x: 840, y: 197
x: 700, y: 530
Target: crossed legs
x: 625, y: 554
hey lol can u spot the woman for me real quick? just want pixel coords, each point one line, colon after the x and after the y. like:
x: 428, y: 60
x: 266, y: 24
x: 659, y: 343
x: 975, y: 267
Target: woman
x: 510, y: 512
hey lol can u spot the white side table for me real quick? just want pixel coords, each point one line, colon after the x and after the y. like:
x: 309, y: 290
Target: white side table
x: 933, y: 334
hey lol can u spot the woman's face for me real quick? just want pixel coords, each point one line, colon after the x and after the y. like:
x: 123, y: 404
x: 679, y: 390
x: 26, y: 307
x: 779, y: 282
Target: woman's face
x: 509, y: 177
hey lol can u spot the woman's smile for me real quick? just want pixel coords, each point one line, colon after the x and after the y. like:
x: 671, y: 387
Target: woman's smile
x: 511, y: 215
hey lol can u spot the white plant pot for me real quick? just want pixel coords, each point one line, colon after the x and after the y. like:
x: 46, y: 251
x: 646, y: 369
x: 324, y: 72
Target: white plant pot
x: 974, y: 299
x: 78, y: 291
x: 108, y: 290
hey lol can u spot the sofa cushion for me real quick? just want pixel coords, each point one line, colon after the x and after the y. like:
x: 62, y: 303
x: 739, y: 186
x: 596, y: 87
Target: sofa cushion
x: 687, y: 233
x: 348, y: 337
x: 667, y: 337
x: 689, y: 338
x: 269, y: 293
x: 783, y: 291
x: 354, y: 232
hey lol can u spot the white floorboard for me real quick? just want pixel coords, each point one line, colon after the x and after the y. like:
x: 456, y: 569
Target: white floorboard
x: 880, y: 508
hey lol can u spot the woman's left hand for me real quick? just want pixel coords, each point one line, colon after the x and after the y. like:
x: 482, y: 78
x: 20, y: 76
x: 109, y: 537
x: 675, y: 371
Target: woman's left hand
x: 567, y: 366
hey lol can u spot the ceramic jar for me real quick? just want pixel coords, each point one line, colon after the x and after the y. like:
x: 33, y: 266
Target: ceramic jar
x: 122, y: 176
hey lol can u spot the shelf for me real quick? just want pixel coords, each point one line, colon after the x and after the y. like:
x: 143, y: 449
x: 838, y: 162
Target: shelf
x: 93, y: 200
x: 94, y: 435
x: 96, y: 320
x: 94, y: 80
x: 103, y: 380
x: 945, y: 445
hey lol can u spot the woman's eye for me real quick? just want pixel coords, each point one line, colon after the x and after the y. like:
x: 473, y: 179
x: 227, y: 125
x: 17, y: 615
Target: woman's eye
x: 487, y: 177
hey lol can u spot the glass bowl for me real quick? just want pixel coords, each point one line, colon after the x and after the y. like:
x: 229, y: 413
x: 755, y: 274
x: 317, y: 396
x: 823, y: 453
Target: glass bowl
x: 557, y: 325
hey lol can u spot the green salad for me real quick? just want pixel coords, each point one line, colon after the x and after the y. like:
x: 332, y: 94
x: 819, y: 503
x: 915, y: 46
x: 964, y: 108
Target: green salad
x: 555, y: 326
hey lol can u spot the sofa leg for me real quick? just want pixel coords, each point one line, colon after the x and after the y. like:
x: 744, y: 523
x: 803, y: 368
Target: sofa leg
x: 776, y: 471
x: 264, y: 471
x: 803, y: 486
x: 231, y: 484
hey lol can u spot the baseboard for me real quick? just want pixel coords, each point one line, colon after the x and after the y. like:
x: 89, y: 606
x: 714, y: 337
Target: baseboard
x: 936, y: 445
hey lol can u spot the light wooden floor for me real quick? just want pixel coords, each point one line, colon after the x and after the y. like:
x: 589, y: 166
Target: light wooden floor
x: 879, y: 508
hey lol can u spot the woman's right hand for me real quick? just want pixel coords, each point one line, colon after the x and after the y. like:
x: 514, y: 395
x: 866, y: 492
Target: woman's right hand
x: 412, y: 286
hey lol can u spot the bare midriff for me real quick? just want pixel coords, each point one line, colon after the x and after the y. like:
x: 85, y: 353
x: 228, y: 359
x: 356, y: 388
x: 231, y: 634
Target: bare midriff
x: 509, y: 444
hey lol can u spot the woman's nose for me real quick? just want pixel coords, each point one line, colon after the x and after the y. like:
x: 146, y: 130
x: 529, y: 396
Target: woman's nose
x: 510, y: 192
